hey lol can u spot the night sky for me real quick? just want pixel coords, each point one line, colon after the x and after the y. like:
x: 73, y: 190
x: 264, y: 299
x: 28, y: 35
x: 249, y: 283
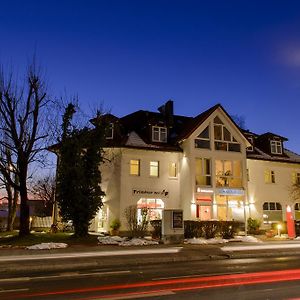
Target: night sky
x: 132, y: 55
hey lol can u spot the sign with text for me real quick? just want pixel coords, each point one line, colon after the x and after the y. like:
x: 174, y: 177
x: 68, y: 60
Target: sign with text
x: 149, y: 192
x: 177, y: 219
x: 234, y: 192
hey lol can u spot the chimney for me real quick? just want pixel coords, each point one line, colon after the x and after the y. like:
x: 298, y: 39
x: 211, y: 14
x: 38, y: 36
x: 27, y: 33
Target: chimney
x: 167, y: 111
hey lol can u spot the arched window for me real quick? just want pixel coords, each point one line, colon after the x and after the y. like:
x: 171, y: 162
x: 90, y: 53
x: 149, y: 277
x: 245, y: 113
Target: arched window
x: 272, y: 212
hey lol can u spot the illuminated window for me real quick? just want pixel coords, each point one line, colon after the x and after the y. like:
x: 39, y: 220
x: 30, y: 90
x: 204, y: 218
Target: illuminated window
x: 154, y: 168
x: 269, y: 176
x: 276, y: 147
x: 159, y: 134
x: 203, y: 172
x: 172, y: 169
x: 135, y: 167
x: 154, y: 208
x: 296, y: 178
x: 228, y: 173
x: 272, y: 212
x: 224, y: 140
x: 109, y: 132
x: 203, y: 140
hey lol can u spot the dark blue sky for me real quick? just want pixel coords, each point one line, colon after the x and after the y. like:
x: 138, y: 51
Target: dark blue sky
x: 134, y: 55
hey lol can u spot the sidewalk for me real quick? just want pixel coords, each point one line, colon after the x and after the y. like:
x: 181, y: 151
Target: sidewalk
x: 81, y: 257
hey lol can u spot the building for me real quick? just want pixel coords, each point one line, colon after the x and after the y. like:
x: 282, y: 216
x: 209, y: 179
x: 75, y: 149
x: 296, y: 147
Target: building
x: 205, y: 165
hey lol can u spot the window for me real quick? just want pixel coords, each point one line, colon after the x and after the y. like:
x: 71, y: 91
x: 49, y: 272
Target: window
x: 154, y: 168
x: 203, y: 172
x: 109, y: 132
x: 172, y: 170
x: 154, y: 207
x: 159, y: 134
x: 228, y: 173
x: 296, y: 178
x: 203, y: 140
x: 224, y: 140
x: 269, y: 176
x: 272, y: 212
x: 297, y: 211
x: 276, y: 147
x: 135, y: 167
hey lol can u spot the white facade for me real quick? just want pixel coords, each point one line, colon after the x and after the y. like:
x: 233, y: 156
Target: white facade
x: 238, y: 199
x: 210, y: 175
x: 262, y: 190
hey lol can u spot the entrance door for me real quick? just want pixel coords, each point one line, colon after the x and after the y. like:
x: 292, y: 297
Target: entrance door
x: 204, y: 212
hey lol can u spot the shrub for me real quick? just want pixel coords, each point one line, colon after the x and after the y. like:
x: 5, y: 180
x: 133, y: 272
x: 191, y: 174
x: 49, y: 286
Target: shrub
x: 210, y: 229
x: 156, y: 233
x: 137, y: 228
x: 192, y: 229
x: 253, y: 225
x: 228, y: 229
x: 115, y: 224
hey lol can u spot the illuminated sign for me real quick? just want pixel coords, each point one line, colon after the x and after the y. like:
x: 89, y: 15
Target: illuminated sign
x: 199, y: 190
x: 235, y: 192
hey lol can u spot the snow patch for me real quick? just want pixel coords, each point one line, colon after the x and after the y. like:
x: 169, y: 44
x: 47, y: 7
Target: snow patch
x: 202, y: 241
x: 47, y: 246
x: 246, y: 239
x: 124, y: 241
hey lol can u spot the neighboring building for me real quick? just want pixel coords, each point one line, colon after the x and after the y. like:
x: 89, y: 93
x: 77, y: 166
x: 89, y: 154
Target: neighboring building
x: 205, y: 165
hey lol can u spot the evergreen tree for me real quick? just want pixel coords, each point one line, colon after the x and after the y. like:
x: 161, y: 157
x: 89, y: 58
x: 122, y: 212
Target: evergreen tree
x: 79, y: 177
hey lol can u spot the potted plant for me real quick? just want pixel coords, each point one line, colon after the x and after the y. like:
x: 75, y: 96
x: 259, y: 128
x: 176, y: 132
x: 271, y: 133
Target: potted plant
x: 115, y: 226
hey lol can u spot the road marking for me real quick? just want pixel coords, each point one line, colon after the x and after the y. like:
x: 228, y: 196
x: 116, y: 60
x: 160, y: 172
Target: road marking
x: 15, y: 279
x: 15, y: 290
x: 196, y: 275
x: 64, y: 275
x: 90, y: 254
x: 259, y: 247
x: 135, y: 295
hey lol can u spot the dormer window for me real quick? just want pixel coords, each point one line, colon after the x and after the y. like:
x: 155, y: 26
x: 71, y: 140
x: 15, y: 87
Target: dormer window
x: 159, y: 134
x: 109, y: 133
x: 276, y: 147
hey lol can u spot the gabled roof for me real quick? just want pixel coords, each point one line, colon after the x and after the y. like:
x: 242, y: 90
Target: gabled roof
x: 198, y: 120
x: 271, y: 135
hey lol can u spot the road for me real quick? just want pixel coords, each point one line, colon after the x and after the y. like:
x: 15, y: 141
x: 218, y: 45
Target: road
x: 252, y: 278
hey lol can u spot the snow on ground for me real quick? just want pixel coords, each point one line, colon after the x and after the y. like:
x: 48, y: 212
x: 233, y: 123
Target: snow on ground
x: 246, y: 239
x: 202, y: 241
x: 123, y: 241
x: 47, y: 246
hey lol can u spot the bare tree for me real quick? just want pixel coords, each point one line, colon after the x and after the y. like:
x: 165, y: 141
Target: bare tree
x: 23, y: 109
x: 43, y: 189
x: 12, y: 194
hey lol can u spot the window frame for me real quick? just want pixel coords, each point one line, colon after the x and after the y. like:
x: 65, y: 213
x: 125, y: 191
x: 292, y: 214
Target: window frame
x: 151, y: 166
x: 109, y: 129
x: 171, y: 164
x: 224, y: 144
x: 138, y: 165
x: 161, y: 131
x: 231, y: 176
x: 203, y: 173
x: 200, y: 139
x: 276, y: 147
x: 269, y: 177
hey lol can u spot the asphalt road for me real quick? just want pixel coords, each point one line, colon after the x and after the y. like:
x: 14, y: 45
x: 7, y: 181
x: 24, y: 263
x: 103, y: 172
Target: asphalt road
x: 252, y: 278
